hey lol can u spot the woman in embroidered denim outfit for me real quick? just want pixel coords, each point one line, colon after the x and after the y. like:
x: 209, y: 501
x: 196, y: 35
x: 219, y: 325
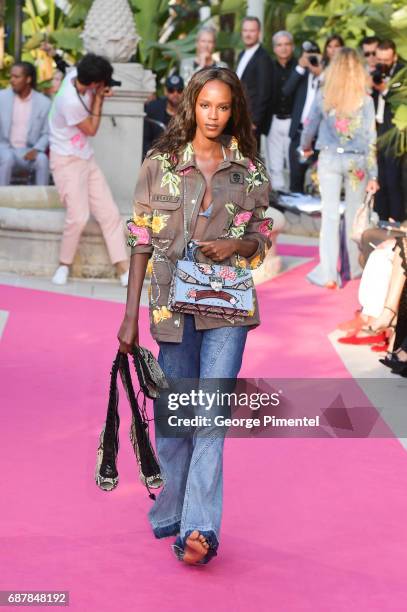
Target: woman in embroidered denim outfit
x: 223, y: 191
x: 343, y: 117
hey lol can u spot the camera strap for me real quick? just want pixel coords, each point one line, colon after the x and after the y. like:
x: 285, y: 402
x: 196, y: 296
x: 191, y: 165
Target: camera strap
x: 88, y: 110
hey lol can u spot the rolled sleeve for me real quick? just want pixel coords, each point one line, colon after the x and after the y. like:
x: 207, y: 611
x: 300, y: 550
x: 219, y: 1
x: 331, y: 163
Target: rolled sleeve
x: 139, y: 225
x: 259, y: 227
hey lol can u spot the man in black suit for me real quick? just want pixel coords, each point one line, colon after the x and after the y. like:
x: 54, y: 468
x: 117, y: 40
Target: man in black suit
x: 278, y: 140
x: 254, y: 70
x: 302, y: 85
x: 389, y: 199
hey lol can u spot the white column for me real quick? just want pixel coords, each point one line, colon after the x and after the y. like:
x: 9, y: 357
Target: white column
x: 118, y: 143
x: 255, y: 8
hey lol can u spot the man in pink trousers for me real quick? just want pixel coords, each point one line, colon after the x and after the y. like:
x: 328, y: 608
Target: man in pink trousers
x: 75, y: 115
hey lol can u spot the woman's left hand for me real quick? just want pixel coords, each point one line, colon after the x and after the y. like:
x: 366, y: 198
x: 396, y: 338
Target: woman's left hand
x: 372, y: 186
x: 218, y: 250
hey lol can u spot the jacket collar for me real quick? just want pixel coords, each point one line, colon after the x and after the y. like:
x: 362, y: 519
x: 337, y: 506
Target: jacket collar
x: 187, y: 157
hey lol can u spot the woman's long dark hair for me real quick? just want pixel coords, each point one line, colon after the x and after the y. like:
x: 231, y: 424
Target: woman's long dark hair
x: 339, y: 39
x: 182, y: 127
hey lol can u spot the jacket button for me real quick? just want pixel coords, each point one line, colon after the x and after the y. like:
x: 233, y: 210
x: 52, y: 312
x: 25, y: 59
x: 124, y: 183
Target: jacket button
x: 193, y: 201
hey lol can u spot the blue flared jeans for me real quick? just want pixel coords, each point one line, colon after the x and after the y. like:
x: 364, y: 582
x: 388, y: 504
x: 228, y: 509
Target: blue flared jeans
x: 192, y: 466
x: 337, y: 170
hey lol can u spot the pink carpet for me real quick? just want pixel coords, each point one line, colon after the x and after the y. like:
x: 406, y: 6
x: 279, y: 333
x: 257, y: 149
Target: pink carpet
x: 309, y: 525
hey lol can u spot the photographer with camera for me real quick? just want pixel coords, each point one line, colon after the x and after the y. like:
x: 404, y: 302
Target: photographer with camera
x: 368, y: 46
x: 302, y: 85
x: 389, y: 200
x: 75, y: 116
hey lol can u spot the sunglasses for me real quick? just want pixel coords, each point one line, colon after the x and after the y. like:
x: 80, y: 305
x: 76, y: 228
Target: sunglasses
x: 369, y: 53
x: 172, y: 89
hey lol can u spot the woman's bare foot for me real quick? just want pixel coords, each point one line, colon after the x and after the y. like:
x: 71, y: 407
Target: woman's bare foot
x: 385, y: 320
x: 196, y: 548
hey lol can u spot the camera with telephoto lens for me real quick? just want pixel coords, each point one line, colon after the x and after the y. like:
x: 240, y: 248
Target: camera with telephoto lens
x: 113, y: 83
x: 380, y: 73
x: 311, y: 48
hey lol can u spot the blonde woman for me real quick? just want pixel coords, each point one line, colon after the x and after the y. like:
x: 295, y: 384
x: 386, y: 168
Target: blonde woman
x: 343, y: 119
x: 204, y: 58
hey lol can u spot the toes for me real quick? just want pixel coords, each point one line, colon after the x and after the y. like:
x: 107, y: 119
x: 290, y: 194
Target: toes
x: 194, y: 535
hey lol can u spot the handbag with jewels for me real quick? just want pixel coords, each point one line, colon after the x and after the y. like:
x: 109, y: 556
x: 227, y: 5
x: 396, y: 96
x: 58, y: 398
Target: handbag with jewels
x: 210, y: 289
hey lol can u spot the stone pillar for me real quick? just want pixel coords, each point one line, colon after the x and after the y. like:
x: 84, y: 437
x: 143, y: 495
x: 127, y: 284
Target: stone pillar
x: 118, y: 143
x: 110, y: 31
x: 255, y: 8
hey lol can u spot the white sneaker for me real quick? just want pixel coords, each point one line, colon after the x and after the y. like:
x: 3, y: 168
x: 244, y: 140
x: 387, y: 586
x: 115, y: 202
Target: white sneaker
x: 61, y: 275
x: 124, y: 279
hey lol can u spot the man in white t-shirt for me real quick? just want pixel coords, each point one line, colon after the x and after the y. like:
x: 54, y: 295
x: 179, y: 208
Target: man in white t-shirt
x: 74, y: 117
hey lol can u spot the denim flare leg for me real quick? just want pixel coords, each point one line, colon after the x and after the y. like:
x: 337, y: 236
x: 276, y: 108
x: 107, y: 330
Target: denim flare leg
x: 192, y: 467
x: 334, y: 171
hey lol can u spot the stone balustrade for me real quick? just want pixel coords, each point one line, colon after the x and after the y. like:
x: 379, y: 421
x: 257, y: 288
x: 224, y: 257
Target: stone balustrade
x: 31, y: 224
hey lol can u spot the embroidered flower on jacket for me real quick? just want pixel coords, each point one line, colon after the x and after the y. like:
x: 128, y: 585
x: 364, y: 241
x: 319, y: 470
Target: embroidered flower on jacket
x: 342, y: 125
x: 255, y: 262
x: 142, y: 220
x: 257, y: 176
x: 347, y: 126
x: 266, y: 227
x: 191, y: 293
x: 137, y: 235
x: 161, y: 314
x: 169, y: 179
x: 243, y: 217
x: 241, y: 262
x: 188, y: 153
x: 158, y: 222
x: 238, y: 221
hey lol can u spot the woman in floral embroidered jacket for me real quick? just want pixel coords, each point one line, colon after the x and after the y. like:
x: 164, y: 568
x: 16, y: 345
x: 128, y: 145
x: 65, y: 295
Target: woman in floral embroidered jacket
x: 343, y: 117
x: 214, y: 182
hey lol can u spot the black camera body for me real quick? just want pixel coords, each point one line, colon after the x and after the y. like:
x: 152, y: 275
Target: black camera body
x: 113, y: 83
x: 380, y: 73
x: 311, y: 48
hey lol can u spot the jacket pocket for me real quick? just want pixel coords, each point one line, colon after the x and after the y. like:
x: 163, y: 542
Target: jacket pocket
x: 240, y: 198
x: 165, y: 215
x: 161, y: 201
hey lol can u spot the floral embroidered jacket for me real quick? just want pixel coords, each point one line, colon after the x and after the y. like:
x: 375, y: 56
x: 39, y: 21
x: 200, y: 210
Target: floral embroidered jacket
x: 164, y: 191
x: 355, y: 133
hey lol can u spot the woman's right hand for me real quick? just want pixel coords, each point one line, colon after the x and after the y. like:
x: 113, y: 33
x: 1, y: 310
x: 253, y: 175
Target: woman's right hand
x: 128, y: 334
